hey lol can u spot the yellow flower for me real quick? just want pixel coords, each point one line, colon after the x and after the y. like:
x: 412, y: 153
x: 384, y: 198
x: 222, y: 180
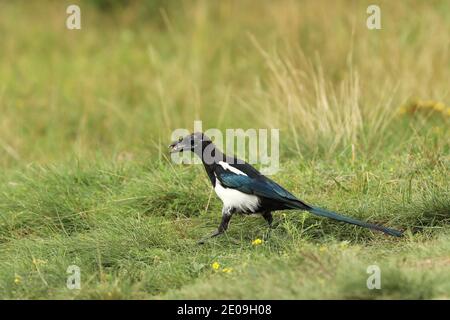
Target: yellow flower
x: 439, y: 107
x: 17, y: 279
x: 323, y: 248
x: 215, y: 265
x: 257, y: 242
x: 227, y: 270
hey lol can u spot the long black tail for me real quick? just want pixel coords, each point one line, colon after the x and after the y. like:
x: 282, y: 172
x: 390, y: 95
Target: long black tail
x: 324, y: 213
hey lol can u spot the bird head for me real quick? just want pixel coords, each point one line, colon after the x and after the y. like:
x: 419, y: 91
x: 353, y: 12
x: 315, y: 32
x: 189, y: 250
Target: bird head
x: 189, y: 142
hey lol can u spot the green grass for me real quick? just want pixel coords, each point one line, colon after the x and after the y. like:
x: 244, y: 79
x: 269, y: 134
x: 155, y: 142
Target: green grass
x: 86, y: 180
x: 133, y: 228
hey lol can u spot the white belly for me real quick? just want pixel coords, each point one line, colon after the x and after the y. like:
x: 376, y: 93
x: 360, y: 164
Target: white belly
x: 232, y: 198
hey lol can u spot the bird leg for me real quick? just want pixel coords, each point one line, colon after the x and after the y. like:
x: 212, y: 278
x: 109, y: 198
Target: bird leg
x: 269, y: 218
x: 226, y: 216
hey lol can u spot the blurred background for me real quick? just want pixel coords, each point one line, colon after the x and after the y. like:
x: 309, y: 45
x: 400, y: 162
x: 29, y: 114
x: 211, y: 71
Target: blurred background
x: 139, y: 69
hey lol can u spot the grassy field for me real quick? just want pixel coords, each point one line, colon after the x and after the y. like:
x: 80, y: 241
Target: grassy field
x: 86, y: 117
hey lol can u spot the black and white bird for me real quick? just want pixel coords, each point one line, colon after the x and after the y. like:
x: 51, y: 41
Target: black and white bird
x: 243, y: 189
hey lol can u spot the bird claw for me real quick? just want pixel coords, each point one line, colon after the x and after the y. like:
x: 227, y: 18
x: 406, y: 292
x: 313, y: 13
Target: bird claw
x: 214, y: 234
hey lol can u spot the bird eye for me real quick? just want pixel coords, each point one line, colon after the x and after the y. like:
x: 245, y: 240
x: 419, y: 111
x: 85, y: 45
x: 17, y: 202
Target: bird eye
x: 180, y: 139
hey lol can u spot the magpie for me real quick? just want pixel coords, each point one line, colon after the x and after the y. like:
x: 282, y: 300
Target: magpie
x: 243, y: 189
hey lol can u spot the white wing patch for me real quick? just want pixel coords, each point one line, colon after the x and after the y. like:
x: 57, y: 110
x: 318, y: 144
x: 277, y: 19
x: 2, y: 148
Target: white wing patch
x: 227, y: 166
x: 232, y: 198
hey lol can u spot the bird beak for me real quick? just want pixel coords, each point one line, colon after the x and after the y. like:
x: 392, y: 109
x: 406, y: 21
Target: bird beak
x: 175, y: 147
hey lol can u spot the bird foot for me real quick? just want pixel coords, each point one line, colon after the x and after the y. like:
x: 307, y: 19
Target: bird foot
x: 214, y: 234
x: 267, y: 234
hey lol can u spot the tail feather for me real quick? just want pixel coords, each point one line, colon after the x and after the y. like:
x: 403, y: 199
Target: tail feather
x: 338, y: 217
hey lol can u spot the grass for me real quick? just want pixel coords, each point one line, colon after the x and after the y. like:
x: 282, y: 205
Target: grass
x: 86, y: 116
